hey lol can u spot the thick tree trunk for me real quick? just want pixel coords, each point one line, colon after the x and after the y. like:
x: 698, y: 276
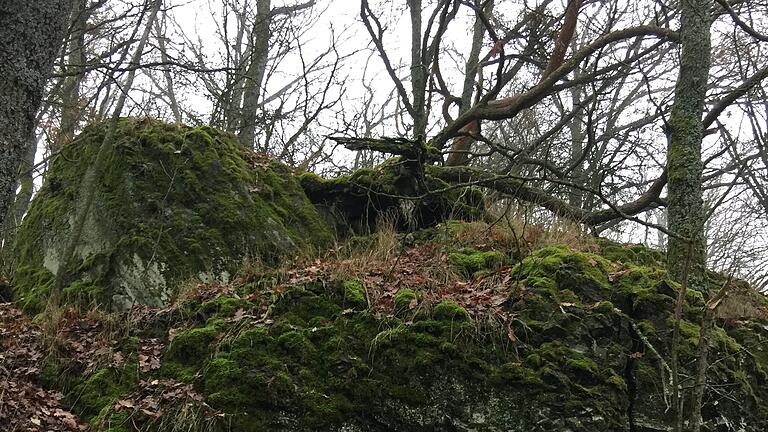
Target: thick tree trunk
x: 30, y: 37
x: 25, y: 185
x: 686, y: 206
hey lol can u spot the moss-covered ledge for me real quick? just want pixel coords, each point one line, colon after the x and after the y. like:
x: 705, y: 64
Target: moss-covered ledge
x: 356, y: 201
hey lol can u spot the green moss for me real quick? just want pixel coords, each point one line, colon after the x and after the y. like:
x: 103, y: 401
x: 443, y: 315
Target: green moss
x: 354, y: 293
x: 192, y: 346
x: 694, y: 298
x: 221, y: 381
x: 404, y: 298
x: 32, y: 285
x: 635, y: 254
x: 726, y: 342
x: 688, y: 330
x: 223, y: 305
x: 295, y: 343
x: 517, y: 373
x: 83, y: 292
x: 188, y: 200
x: 449, y: 311
x: 314, y: 364
x: 584, y: 274
x: 647, y: 327
x: 541, y: 284
x: 617, y: 382
x: 470, y: 261
x: 103, y: 388
x: 583, y: 364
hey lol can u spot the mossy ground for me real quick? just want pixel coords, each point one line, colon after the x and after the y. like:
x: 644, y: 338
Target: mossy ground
x: 312, y: 351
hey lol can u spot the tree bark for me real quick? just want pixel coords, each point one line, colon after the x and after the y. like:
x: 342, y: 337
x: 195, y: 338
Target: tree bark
x: 418, y: 72
x: 684, y: 165
x: 71, y: 111
x: 462, y: 145
x: 255, y: 74
x: 169, y: 90
x: 257, y: 66
x: 31, y: 33
x: 702, y: 351
x: 20, y: 204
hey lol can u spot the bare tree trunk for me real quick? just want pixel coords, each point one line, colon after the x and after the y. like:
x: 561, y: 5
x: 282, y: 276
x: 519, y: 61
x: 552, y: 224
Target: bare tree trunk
x: 92, y: 176
x: 677, y: 397
x: 233, y: 95
x: 71, y: 111
x: 169, y: 87
x: 576, y: 196
x: 255, y: 73
x: 418, y: 73
x: 30, y: 37
x: 686, y: 206
x: 460, y: 148
x: 702, y: 351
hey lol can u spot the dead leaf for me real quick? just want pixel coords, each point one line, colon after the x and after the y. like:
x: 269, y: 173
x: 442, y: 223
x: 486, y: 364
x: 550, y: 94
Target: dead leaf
x: 125, y: 403
x: 239, y: 314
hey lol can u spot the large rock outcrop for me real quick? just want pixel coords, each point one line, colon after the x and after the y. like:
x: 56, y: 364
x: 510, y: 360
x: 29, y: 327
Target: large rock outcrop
x: 176, y: 203
x: 458, y: 338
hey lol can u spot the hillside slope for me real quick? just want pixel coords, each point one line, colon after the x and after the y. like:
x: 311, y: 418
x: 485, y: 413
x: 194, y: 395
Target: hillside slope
x: 451, y: 332
x: 208, y: 294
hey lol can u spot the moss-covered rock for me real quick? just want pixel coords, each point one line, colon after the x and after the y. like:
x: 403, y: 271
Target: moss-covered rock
x: 175, y: 203
x: 405, y: 299
x: 564, y: 341
x: 470, y: 261
x: 354, y: 293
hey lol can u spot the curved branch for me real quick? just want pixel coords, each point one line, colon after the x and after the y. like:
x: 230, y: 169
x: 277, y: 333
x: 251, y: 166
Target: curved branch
x: 509, y: 107
x: 738, y: 92
x: 517, y: 188
x: 367, y: 15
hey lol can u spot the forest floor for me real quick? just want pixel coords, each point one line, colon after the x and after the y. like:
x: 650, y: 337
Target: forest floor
x: 24, y: 404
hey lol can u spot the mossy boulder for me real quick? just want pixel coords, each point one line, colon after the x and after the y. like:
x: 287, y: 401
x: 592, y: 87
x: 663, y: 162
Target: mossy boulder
x: 175, y: 203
